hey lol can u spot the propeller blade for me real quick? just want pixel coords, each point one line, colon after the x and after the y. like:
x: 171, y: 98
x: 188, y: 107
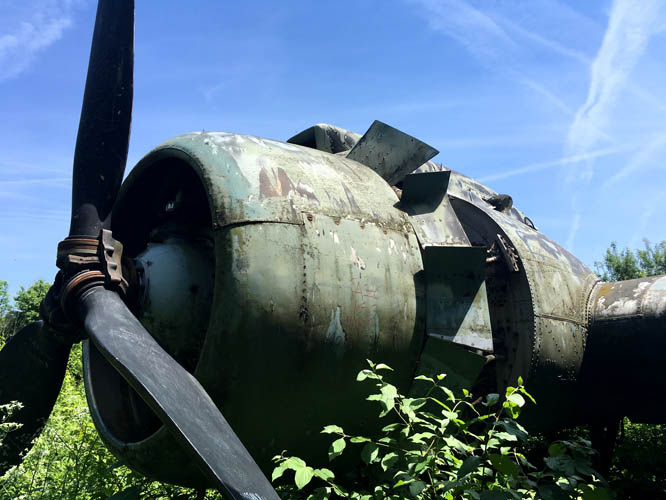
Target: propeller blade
x: 32, y: 368
x: 104, y: 128
x: 390, y: 152
x: 174, y: 395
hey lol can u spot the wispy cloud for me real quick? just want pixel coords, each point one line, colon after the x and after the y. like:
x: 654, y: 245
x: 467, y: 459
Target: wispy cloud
x: 54, y: 181
x: 495, y: 41
x: 470, y: 27
x: 640, y: 159
x: 37, y: 27
x: 575, y: 226
x: 568, y: 160
x: 630, y: 26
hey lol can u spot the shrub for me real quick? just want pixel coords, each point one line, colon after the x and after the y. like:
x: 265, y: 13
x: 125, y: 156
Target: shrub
x: 445, y: 446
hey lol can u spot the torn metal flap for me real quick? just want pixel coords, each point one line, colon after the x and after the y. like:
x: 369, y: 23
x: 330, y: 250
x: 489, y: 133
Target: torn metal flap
x: 390, y: 152
x: 456, y: 299
x: 425, y: 200
x: 425, y: 189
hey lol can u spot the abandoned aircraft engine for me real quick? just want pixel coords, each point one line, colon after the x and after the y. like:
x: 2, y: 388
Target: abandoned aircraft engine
x: 250, y: 278
x: 271, y: 270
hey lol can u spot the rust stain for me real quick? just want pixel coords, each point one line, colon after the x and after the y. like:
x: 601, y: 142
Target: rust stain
x: 284, y: 182
x: 266, y: 188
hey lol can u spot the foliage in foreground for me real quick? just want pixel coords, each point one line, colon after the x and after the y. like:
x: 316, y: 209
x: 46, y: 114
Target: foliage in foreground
x: 449, y: 447
x: 69, y: 461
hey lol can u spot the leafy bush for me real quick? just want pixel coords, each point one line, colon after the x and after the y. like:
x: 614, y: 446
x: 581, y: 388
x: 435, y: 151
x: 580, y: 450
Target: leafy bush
x: 69, y: 461
x: 6, y: 424
x: 444, y: 446
x: 639, y: 464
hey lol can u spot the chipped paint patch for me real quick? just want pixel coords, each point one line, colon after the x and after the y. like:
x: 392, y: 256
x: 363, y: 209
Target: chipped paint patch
x: 392, y: 248
x: 356, y: 259
x: 336, y: 334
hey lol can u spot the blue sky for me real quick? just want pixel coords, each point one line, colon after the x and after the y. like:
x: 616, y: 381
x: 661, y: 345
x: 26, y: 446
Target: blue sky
x: 560, y: 104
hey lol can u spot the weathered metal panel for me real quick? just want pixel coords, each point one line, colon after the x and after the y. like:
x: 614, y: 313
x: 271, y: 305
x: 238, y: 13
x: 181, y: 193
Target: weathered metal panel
x: 390, y: 152
x: 252, y: 179
x: 457, y: 304
x: 425, y: 200
x: 548, y: 354
x: 625, y: 350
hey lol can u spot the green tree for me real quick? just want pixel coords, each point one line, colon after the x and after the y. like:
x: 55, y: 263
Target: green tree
x: 626, y: 264
x: 27, y: 300
x: 25, y: 309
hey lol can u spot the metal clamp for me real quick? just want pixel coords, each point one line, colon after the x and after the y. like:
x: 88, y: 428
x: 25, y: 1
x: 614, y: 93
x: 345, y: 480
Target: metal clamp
x: 88, y: 262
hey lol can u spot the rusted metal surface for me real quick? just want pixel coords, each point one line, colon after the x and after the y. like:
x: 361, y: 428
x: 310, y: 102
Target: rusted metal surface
x: 538, y: 316
x: 471, y: 190
x: 625, y: 352
x: 390, y: 152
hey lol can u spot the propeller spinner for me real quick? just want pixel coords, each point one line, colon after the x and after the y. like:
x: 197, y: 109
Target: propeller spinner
x: 85, y: 300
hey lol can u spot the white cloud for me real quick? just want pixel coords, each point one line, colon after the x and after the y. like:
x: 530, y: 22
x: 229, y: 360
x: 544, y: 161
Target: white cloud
x: 38, y: 25
x: 640, y: 159
x: 629, y: 28
x: 543, y: 165
x: 470, y: 27
x: 575, y: 226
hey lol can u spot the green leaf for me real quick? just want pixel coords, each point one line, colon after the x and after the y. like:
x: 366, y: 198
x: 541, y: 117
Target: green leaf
x: 506, y: 436
x: 370, y: 453
x: 468, y: 466
x: 364, y: 374
x: 492, y: 399
x: 420, y: 437
x: 388, y: 395
x: 324, y: 474
x: 359, y: 439
x: 389, y: 460
x: 504, y: 465
x: 336, y: 448
x: 513, y: 427
x: 294, y: 463
x: 556, y: 449
x: 563, y: 464
x: 448, y: 392
x: 303, y: 477
x: 516, y: 399
x: 382, y: 366
x: 416, y: 487
x: 332, y: 429
x: 278, y: 471
x: 391, y: 427
x: 424, y: 378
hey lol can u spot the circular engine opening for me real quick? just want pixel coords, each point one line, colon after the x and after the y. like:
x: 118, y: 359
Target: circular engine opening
x: 163, y: 220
